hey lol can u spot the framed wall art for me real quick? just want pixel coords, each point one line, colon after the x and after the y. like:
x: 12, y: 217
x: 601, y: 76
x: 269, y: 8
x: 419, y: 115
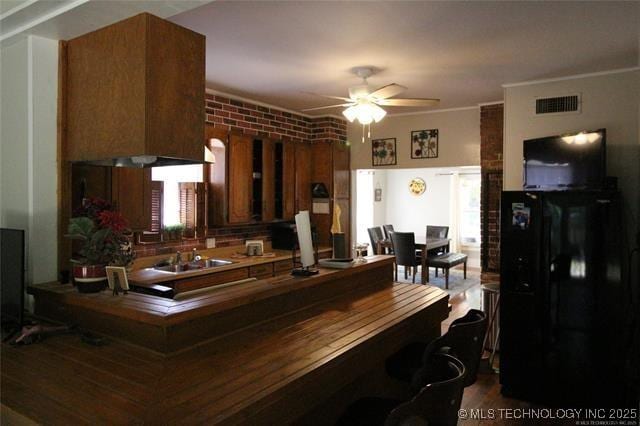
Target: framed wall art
x: 424, y: 143
x: 383, y: 152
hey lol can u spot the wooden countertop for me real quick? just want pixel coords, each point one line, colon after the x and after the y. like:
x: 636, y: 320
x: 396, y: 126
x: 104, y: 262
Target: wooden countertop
x: 147, y: 276
x: 270, y: 373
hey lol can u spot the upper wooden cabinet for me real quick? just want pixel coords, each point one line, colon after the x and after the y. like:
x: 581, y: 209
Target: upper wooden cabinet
x: 303, y: 177
x: 240, y: 180
x: 135, y: 88
x: 131, y: 195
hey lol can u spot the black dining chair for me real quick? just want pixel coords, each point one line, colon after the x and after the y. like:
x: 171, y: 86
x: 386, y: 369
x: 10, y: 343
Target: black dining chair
x: 388, y: 230
x: 434, y: 231
x: 375, y: 235
x: 463, y: 340
x: 440, y: 232
x: 436, y: 403
x: 404, y: 247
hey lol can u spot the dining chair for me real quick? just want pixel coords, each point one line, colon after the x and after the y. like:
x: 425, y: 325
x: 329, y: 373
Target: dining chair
x: 388, y: 230
x: 436, y: 231
x: 375, y: 235
x: 404, y: 247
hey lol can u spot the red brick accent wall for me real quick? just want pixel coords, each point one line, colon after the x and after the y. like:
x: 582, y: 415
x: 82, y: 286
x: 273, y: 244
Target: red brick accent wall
x: 258, y: 120
x: 491, y: 135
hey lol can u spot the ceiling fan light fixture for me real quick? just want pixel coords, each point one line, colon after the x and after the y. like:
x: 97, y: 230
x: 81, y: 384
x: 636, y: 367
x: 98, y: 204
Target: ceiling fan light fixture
x: 350, y: 113
x: 364, y: 112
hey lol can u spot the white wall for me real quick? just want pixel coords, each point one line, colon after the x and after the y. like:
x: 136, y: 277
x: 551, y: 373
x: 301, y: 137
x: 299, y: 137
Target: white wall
x: 458, y: 139
x: 28, y: 149
x: 611, y: 101
x: 411, y: 213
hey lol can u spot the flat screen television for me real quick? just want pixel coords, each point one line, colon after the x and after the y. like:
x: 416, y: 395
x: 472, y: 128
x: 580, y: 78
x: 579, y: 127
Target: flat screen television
x: 566, y: 162
x: 12, y: 276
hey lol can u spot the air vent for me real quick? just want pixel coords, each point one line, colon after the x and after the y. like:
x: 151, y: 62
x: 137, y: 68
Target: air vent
x: 558, y: 105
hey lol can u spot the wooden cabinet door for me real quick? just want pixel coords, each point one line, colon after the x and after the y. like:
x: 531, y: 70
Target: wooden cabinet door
x: 131, y: 195
x: 240, y: 178
x: 268, y: 180
x: 303, y: 177
x: 288, y: 180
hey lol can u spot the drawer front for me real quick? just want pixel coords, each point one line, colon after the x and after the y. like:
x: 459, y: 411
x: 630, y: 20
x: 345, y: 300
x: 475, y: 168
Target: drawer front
x: 261, y: 271
x: 210, y: 280
x: 282, y: 266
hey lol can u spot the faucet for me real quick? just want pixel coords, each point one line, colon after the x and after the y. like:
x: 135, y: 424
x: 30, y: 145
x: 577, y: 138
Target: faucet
x: 195, y: 257
x: 178, y: 258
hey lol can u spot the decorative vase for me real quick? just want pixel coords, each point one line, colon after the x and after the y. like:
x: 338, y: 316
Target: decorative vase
x: 89, y: 278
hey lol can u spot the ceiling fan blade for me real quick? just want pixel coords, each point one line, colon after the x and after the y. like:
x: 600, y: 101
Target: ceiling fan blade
x: 329, y: 96
x: 408, y: 102
x: 328, y: 106
x: 387, y: 91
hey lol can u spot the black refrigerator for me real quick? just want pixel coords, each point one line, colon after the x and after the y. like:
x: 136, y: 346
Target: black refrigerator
x: 563, y: 334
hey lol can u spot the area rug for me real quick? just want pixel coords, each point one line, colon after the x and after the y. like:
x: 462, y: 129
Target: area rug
x: 457, y: 283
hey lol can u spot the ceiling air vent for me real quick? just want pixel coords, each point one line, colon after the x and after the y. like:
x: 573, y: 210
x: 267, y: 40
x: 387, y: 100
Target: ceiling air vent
x: 558, y: 105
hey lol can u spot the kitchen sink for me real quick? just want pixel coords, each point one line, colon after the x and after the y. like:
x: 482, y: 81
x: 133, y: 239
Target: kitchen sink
x: 192, y: 266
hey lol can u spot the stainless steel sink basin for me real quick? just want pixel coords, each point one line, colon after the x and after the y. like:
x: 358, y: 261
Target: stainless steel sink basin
x: 192, y: 266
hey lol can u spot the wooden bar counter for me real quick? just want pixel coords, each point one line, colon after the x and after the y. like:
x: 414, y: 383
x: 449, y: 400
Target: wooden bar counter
x: 314, y: 337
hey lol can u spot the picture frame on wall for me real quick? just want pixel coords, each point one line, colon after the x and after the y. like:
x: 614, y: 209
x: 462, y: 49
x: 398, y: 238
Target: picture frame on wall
x: 424, y: 143
x: 384, y: 152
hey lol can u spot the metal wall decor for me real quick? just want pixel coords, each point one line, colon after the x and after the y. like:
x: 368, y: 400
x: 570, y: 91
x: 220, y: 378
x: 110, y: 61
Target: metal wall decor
x: 383, y: 152
x: 424, y: 143
x: 417, y: 186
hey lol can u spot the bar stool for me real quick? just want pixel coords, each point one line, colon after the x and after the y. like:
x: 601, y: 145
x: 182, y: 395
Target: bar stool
x: 491, y: 305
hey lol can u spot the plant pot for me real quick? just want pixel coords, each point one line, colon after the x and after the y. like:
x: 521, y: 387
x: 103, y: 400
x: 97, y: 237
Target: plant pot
x: 89, y: 278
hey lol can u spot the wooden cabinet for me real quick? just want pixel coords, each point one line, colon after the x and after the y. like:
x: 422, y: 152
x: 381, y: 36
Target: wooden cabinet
x: 131, y: 195
x: 268, y: 212
x: 303, y: 177
x: 331, y: 167
x: 135, y: 88
x: 288, y: 180
x: 240, y: 169
x: 261, y: 180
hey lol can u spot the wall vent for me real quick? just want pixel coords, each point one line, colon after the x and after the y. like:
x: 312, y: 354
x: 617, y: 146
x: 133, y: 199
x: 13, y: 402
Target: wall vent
x: 558, y: 105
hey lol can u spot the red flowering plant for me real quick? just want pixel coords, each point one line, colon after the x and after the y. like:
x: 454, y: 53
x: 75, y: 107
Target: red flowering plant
x: 104, y: 233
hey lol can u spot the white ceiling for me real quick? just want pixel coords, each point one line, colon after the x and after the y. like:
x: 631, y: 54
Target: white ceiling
x: 460, y: 52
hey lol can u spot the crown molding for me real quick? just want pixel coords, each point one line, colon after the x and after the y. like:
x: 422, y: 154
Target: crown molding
x: 490, y: 103
x: 571, y: 77
x: 433, y: 111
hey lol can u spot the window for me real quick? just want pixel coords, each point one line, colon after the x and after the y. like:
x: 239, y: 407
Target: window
x: 470, y: 209
x: 179, y: 193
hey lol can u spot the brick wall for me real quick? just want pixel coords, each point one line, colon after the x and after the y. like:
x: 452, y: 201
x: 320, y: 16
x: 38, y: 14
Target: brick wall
x: 247, y: 118
x: 251, y: 119
x: 491, y: 134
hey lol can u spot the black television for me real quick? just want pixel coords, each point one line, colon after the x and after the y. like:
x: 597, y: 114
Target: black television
x: 566, y: 162
x: 11, y: 277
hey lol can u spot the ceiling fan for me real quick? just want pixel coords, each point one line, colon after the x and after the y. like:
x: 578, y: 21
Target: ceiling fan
x: 364, y: 103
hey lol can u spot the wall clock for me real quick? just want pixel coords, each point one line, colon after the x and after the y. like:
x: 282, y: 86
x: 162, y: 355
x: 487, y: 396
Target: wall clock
x: 417, y: 186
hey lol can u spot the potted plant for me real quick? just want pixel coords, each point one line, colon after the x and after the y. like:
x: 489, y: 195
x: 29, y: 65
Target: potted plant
x: 104, y: 241
x: 173, y: 232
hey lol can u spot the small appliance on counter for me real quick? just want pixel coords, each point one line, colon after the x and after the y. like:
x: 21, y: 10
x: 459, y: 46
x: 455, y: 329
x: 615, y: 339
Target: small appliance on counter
x: 283, y: 235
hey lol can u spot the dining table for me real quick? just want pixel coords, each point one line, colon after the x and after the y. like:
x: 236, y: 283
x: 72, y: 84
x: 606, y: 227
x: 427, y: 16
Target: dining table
x: 424, y: 244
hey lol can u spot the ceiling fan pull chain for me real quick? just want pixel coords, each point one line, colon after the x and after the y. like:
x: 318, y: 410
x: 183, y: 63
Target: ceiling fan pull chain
x: 369, y: 131
x: 363, y: 133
